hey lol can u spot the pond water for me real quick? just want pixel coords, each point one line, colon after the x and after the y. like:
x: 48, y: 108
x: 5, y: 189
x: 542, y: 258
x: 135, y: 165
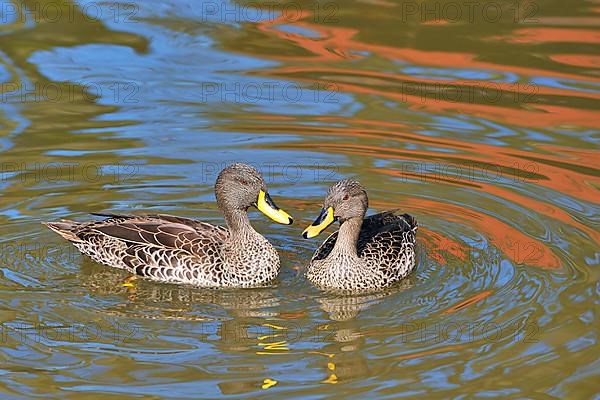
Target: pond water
x: 480, y: 120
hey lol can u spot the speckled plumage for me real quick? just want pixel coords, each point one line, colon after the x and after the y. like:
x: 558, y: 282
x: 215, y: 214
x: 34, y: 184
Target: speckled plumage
x: 180, y: 250
x: 366, y: 254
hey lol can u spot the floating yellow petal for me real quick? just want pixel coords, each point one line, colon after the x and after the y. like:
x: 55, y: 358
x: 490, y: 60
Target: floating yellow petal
x: 330, y: 355
x: 332, y: 379
x: 274, y: 326
x: 129, y: 282
x: 267, y: 383
x: 268, y: 336
x: 275, y: 345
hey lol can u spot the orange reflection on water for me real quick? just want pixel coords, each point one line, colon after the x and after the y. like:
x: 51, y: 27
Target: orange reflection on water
x: 517, y: 246
x: 590, y: 158
x: 536, y: 115
x: 577, y: 60
x: 554, y: 35
x: 335, y: 43
x: 405, y: 84
x: 438, y: 245
x: 468, y: 302
x: 545, y: 170
x: 446, y: 349
x: 530, y: 107
x: 547, y: 209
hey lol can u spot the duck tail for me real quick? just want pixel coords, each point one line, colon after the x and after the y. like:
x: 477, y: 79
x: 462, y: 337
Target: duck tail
x: 65, y: 229
x: 412, y: 222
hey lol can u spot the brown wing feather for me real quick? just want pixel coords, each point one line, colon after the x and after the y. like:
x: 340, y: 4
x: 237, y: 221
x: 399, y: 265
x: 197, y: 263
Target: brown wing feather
x: 156, y: 234
x: 160, y: 230
x: 163, y: 219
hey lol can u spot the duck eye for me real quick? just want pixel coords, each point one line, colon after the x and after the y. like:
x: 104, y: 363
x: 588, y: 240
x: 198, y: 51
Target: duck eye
x: 243, y: 182
x: 346, y: 197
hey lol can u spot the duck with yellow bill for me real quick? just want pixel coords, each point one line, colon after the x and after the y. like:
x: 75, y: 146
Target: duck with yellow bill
x: 366, y: 253
x: 181, y: 250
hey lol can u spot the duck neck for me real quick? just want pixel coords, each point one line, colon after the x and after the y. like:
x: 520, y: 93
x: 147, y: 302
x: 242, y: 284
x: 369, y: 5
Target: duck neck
x: 347, y: 237
x: 238, y: 224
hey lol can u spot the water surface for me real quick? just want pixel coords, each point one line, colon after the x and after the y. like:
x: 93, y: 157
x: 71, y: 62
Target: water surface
x: 482, y: 123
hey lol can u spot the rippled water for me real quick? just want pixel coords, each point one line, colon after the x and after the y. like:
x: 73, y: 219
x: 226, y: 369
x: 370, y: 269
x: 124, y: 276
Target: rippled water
x: 481, y: 121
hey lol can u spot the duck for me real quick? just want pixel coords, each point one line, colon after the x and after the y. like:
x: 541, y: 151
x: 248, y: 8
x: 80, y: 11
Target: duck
x: 174, y: 249
x: 366, y: 253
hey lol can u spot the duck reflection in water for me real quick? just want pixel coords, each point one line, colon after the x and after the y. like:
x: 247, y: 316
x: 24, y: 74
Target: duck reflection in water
x: 343, y: 356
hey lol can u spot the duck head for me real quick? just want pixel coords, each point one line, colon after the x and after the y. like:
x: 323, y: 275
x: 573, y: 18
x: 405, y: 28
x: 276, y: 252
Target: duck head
x: 240, y: 186
x: 345, y: 200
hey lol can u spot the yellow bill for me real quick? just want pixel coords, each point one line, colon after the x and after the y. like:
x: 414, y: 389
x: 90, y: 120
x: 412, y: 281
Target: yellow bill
x: 325, y: 219
x: 267, y: 206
